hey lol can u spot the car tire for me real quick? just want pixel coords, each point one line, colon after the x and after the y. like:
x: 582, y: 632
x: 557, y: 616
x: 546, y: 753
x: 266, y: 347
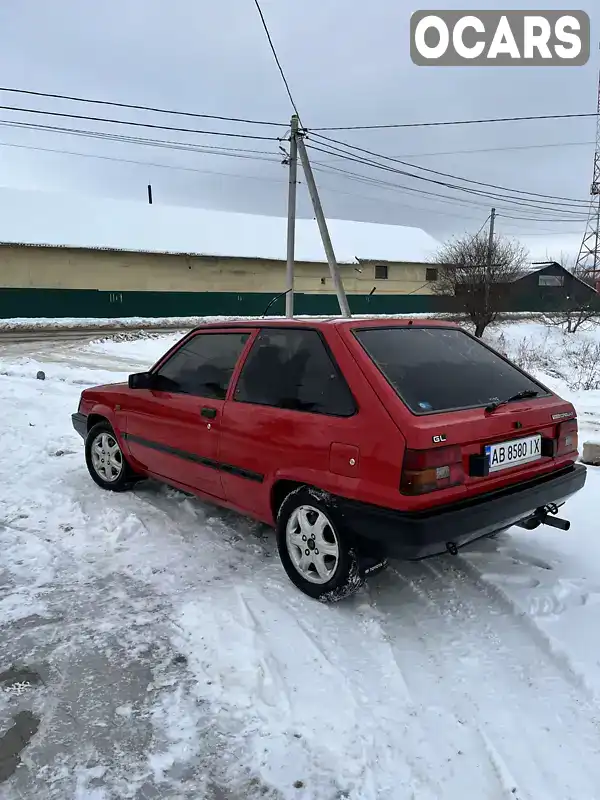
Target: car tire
x: 306, y: 520
x: 105, y: 460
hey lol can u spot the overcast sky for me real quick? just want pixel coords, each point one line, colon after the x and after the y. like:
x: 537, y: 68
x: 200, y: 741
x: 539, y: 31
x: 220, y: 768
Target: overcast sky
x: 347, y: 64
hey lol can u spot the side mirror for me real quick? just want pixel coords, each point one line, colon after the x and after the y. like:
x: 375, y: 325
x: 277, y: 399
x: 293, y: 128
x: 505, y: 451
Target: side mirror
x: 141, y: 380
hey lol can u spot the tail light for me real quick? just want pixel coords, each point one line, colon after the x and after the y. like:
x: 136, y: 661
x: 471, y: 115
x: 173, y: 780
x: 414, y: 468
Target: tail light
x: 430, y: 470
x: 568, y: 440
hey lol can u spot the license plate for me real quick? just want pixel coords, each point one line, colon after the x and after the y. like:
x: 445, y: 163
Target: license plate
x: 513, y: 453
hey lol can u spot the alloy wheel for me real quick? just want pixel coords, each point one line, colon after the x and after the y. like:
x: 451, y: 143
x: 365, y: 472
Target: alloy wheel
x: 107, y: 458
x: 312, y: 544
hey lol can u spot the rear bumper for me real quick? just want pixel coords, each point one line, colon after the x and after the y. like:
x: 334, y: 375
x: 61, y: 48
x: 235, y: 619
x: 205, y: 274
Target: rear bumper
x: 80, y: 424
x: 421, y: 534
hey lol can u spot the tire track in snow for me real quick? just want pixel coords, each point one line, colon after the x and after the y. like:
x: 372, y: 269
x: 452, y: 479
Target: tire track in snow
x: 549, y: 603
x: 395, y: 725
x: 382, y: 740
x: 377, y: 744
x: 319, y: 699
x: 465, y: 650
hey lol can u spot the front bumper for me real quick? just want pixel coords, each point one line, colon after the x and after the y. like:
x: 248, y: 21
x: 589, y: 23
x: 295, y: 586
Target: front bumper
x: 420, y: 534
x: 80, y: 424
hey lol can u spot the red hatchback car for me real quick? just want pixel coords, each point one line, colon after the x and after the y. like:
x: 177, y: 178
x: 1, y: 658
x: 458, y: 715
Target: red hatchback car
x: 357, y: 439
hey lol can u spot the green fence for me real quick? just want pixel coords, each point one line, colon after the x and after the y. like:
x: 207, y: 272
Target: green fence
x: 57, y: 303
x: 60, y: 303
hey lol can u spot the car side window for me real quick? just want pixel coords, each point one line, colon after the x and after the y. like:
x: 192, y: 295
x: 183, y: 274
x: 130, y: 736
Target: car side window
x: 292, y: 368
x: 203, y: 365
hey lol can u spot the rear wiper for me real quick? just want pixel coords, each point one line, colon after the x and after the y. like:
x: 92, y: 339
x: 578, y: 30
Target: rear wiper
x: 525, y: 395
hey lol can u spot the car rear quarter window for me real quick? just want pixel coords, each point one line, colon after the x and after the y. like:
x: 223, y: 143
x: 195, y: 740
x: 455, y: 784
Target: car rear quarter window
x: 292, y: 369
x: 203, y: 365
x: 442, y: 369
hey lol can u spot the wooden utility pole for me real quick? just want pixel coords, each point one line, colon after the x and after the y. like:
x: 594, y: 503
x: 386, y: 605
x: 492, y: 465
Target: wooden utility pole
x: 321, y: 222
x: 291, y: 229
x: 149, y: 194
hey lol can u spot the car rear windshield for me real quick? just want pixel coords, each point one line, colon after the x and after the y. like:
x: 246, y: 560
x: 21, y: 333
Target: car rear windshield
x: 442, y: 369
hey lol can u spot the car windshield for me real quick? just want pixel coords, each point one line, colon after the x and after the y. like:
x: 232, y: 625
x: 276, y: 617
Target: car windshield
x: 442, y: 369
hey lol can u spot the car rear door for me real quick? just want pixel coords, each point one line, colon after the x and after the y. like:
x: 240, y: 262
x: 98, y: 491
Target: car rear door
x: 173, y: 429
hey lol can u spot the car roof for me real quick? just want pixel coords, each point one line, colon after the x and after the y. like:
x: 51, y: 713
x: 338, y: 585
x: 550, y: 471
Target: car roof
x: 321, y: 323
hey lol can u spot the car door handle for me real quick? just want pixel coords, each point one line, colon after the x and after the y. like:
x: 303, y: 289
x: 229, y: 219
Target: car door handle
x: 210, y: 413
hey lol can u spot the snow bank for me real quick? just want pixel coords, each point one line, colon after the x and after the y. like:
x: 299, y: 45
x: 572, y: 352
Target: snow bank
x: 558, y: 360
x: 148, y: 323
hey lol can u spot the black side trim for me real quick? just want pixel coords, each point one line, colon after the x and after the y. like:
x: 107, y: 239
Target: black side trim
x: 80, y: 424
x: 240, y: 472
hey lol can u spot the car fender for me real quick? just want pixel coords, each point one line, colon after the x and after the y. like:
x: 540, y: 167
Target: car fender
x: 103, y: 410
x: 318, y: 479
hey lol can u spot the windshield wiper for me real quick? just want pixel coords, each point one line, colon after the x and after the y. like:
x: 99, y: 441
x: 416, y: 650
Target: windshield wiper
x: 525, y: 395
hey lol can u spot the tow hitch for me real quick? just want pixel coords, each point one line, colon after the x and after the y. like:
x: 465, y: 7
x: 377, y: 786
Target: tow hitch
x: 545, y: 516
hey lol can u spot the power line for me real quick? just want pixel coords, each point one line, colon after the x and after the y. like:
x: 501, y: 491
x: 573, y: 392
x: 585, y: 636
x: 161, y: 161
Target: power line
x: 454, y: 122
x: 499, y: 149
x: 138, y: 124
x: 523, y: 227
x: 477, y: 150
x: 383, y: 184
x: 386, y: 201
x: 339, y: 145
x: 441, y: 198
x: 482, y: 227
x: 248, y: 153
x: 139, y: 107
x: 276, y: 57
x: 529, y: 204
x: 431, y: 211
x: 435, y: 212
x: 233, y: 175
x: 540, y: 219
x: 170, y: 144
x: 418, y: 289
x: 438, y: 197
x: 150, y: 163
x: 545, y: 232
x: 546, y: 205
x: 177, y: 112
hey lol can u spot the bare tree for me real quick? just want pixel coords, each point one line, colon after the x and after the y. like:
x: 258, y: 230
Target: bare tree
x: 579, y: 305
x: 479, y: 275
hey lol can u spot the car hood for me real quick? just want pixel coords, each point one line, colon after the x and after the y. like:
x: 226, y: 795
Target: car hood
x: 96, y: 392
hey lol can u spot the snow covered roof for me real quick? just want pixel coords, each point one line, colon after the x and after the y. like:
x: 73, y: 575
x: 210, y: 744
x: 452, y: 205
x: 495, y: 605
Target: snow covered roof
x: 531, y: 269
x: 538, y: 266
x: 59, y: 220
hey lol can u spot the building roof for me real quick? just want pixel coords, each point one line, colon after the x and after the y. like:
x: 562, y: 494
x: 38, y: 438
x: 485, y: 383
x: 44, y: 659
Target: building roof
x: 540, y: 266
x: 60, y: 220
x: 537, y: 266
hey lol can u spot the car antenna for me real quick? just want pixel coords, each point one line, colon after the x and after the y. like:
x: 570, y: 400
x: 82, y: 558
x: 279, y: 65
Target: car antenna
x: 277, y: 296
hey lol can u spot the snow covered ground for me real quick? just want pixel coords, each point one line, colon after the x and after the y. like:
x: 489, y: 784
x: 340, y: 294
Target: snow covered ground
x: 136, y: 323
x: 166, y: 655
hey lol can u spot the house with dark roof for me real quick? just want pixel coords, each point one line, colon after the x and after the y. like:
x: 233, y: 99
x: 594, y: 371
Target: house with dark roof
x: 548, y: 286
